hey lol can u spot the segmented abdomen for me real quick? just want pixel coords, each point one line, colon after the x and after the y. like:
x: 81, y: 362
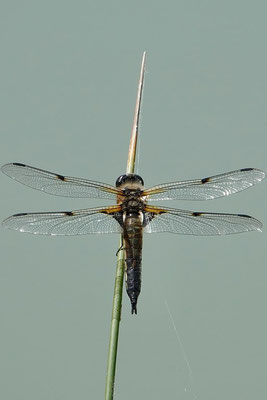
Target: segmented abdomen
x: 133, y: 246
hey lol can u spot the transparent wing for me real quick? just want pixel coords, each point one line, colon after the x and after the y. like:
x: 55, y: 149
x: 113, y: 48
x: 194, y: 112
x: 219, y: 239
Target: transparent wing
x: 207, y: 188
x: 81, y: 222
x: 58, y: 185
x: 165, y: 219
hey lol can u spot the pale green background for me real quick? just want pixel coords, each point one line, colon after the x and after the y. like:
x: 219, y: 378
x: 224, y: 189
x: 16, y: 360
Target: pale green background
x: 69, y: 72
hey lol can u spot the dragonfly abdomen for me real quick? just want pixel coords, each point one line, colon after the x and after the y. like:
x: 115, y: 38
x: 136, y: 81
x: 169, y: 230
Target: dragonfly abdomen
x: 133, y: 247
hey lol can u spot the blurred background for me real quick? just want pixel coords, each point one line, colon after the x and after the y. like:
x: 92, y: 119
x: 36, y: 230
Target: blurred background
x: 69, y: 73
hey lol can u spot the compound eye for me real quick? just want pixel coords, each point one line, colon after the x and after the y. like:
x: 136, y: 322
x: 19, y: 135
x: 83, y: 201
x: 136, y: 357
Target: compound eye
x: 139, y: 179
x: 121, y: 179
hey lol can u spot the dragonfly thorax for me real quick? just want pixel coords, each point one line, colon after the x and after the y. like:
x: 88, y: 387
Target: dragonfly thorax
x: 132, y: 205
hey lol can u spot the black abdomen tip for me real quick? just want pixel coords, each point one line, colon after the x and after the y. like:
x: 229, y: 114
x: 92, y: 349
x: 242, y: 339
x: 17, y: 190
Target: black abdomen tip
x: 134, y: 308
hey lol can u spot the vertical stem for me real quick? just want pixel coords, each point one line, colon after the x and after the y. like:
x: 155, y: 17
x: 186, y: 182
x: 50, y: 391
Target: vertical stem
x: 117, y: 298
x: 134, y: 135
x: 114, y: 327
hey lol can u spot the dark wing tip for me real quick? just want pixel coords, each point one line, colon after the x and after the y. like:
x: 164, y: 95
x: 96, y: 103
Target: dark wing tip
x: 5, y: 167
x: 5, y: 222
x: 19, y: 215
x: 18, y: 164
x: 259, y: 171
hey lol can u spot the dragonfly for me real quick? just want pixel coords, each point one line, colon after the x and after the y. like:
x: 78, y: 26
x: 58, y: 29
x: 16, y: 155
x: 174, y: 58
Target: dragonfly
x: 132, y: 215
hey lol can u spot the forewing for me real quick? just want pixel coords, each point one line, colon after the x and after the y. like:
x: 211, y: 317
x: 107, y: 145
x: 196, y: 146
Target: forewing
x: 163, y: 219
x: 59, y: 185
x: 207, y: 188
x: 81, y: 222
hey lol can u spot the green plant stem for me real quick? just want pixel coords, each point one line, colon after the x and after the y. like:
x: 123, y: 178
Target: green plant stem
x: 117, y: 299
x: 115, y: 324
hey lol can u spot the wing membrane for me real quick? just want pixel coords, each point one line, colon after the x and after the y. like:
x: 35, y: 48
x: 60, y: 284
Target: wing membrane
x: 207, y: 188
x: 184, y: 222
x: 59, y: 185
x: 81, y: 222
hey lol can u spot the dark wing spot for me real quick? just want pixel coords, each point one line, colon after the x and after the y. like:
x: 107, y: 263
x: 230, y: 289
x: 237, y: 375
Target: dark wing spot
x: 20, y: 214
x: 246, y: 169
x: 244, y: 215
x: 118, y: 217
x: 205, y: 180
x: 148, y: 216
x: 68, y: 213
x: 19, y: 164
x: 196, y: 214
x: 61, y: 177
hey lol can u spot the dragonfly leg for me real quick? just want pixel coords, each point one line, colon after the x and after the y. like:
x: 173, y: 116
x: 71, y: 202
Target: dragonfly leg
x: 121, y: 248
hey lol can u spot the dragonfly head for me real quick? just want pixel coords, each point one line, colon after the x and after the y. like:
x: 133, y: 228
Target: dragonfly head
x: 130, y: 181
